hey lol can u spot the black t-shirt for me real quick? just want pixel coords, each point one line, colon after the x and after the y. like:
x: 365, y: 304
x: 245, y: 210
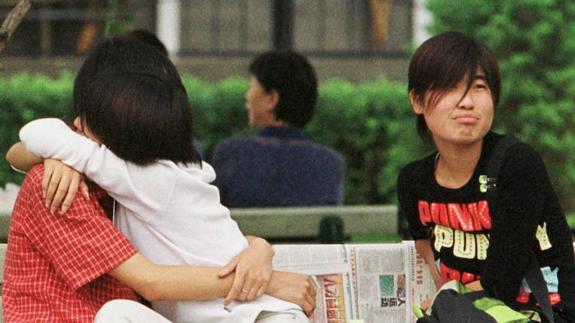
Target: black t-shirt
x: 471, y: 243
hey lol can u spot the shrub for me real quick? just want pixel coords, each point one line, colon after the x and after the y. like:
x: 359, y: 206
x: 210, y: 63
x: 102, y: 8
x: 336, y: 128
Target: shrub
x: 370, y: 123
x: 26, y: 97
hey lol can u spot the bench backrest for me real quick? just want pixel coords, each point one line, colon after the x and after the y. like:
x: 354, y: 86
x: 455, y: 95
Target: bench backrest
x: 293, y: 223
x: 303, y: 223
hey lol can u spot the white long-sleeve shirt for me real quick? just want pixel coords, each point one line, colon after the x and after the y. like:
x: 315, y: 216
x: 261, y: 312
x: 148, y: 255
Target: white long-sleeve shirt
x: 169, y: 211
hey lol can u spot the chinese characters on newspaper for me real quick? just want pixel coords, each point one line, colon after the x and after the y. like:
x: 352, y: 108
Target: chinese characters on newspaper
x: 365, y: 283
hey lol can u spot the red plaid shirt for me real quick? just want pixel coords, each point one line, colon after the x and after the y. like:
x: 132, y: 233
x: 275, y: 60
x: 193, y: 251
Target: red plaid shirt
x: 56, y: 265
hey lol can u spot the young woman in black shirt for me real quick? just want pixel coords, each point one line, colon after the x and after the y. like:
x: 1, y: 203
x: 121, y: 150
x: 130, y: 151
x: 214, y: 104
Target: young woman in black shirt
x: 454, y: 87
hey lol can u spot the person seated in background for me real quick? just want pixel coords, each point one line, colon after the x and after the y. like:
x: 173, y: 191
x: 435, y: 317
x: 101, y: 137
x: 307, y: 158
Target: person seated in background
x: 280, y: 166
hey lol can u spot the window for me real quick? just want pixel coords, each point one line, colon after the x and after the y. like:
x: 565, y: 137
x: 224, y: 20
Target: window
x: 321, y: 27
x: 225, y: 27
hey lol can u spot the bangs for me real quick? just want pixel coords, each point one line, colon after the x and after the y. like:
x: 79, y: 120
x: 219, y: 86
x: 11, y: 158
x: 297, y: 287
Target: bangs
x: 458, y: 65
x: 441, y: 62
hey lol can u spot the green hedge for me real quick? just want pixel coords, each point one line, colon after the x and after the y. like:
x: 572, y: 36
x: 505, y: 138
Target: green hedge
x: 23, y: 98
x: 370, y: 123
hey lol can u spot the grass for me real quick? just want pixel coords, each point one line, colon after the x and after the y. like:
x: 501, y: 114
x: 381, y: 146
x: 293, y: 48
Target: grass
x: 375, y: 238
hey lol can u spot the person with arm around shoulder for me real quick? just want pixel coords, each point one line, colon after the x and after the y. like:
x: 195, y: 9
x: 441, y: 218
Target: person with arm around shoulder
x: 65, y: 267
x: 104, y: 89
x: 454, y: 88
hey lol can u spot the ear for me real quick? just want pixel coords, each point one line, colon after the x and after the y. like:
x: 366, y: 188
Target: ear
x: 78, y: 124
x: 416, y: 103
x: 273, y: 99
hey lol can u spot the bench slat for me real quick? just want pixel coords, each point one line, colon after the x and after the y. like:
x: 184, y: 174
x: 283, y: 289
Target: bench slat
x: 304, y: 222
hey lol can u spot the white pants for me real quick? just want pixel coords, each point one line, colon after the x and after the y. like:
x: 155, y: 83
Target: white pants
x: 126, y: 311
x: 287, y: 316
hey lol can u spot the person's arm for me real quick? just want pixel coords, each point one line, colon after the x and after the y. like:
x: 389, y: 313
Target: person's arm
x: 60, y: 182
x: 52, y: 138
x: 22, y: 159
x: 523, y: 187
x: 408, y: 209
x: 253, y: 269
x: 423, y: 247
x: 161, y: 282
x: 82, y: 245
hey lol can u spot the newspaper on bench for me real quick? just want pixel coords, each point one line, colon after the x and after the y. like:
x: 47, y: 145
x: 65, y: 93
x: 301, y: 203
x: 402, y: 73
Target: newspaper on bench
x: 364, y: 282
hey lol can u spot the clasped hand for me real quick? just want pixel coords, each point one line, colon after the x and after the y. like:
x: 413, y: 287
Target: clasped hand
x: 254, y: 276
x: 60, y: 184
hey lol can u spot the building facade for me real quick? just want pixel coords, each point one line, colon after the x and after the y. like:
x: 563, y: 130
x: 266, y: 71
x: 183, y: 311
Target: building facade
x: 214, y: 39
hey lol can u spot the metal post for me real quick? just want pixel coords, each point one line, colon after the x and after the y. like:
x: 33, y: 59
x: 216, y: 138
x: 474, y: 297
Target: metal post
x: 282, y: 13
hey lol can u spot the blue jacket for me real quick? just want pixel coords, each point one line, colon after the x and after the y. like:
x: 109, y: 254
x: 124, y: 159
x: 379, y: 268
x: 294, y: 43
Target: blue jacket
x: 278, y: 167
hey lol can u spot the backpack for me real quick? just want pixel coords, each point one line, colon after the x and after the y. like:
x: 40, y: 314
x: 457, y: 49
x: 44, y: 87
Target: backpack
x: 456, y: 303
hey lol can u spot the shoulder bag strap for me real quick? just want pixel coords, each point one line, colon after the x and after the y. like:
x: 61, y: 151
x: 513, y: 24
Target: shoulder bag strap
x: 533, y: 275
x: 493, y: 167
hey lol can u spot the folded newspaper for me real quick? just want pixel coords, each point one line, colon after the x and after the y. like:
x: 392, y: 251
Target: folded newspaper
x: 370, y: 283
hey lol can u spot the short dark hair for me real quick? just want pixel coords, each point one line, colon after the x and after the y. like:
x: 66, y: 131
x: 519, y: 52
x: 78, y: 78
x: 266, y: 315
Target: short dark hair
x: 149, y: 38
x: 131, y: 97
x: 293, y: 77
x: 443, y: 61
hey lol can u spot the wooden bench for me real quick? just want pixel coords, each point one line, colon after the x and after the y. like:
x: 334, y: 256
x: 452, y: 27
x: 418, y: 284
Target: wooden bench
x: 300, y: 224
x: 303, y: 223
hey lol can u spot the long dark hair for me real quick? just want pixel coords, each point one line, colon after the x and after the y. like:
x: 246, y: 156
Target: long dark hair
x: 132, y: 98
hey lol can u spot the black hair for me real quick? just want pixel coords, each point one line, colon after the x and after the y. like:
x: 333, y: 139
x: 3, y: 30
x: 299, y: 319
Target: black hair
x: 149, y: 38
x: 441, y: 62
x: 293, y: 77
x: 132, y: 99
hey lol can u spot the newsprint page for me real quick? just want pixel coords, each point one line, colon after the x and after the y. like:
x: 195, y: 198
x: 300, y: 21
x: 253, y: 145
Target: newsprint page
x: 368, y: 283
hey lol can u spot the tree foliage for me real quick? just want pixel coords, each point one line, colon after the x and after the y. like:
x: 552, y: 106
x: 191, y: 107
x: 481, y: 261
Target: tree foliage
x: 118, y: 18
x: 534, y: 41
